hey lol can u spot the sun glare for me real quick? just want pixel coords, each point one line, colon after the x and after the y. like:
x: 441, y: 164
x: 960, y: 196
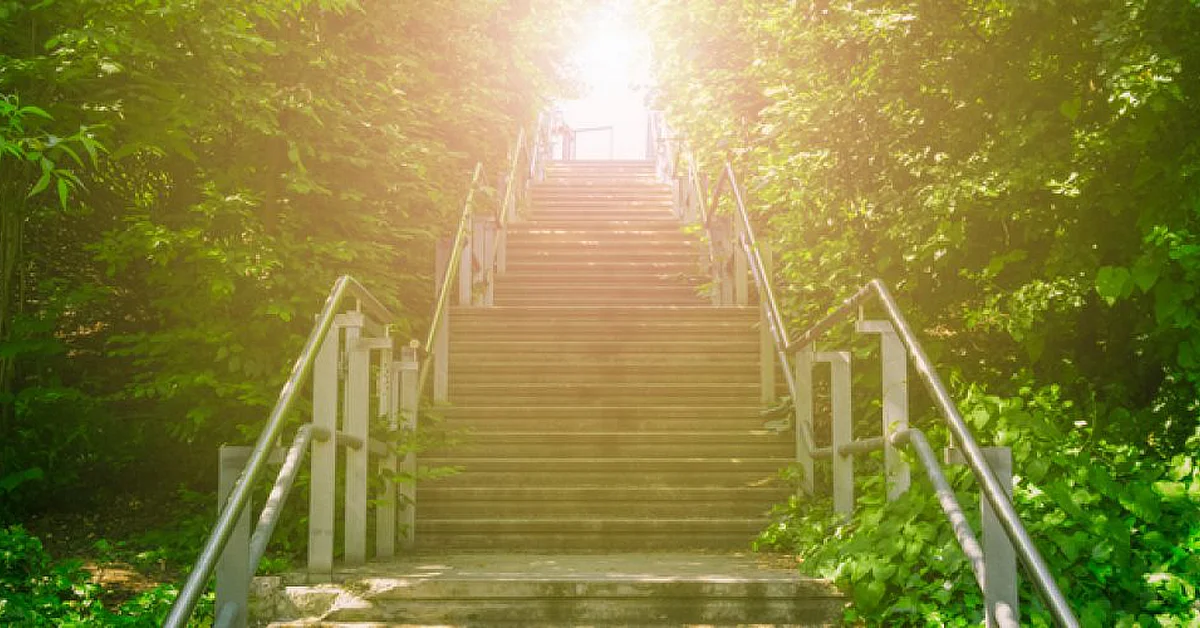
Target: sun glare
x: 612, y: 65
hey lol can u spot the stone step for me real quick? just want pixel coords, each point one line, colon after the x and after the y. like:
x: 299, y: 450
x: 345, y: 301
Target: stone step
x: 577, y: 292
x: 599, y: 204
x: 598, y: 189
x: 610, y: 444
x: 623, y: 313
x: 682, y: 264
x: 629, y: 230
x: 596, y: 418
x: 593, y: 277
x: 589, y: 301
x: 599, y: 224
x: 610, y: 502
x: 583, y: 472
x: 512, y: 346
x: 591, y: 214
x: 533, y: 372
x: 586, y: 533
x: 621, y: 321
x: 581, y: 249
x: 540, y: 589
x: 472, y: 396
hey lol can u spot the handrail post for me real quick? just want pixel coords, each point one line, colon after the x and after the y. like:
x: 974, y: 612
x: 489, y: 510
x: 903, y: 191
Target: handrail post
x: 410, y: 398
x: 803, y: 406
x: 999, y: 556
x: 741, y: 266
x: 356, y: 402
x: 323, y: 462
x: 233, y: 569
x: 385, y: 506
x: 842, y: 428
x: 441, y: 342
x: 466, y: 264
x: 766, y: 340
x: 894, y: 360
x: 487, y: 231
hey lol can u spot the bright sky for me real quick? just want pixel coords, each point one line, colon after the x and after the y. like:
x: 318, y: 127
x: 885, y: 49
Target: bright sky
x: 613, y: 61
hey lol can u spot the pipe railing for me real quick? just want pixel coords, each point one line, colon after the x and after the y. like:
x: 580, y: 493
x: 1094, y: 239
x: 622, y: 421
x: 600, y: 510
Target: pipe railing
x: 478, y: 255
x: 900, y: 346
x: 318, y: 359
x: 347, y: 393
x: 449, y: 269
x: 994, y: 493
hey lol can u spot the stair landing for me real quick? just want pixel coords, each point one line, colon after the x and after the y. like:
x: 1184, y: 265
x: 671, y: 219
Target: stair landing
x: 643, y: 589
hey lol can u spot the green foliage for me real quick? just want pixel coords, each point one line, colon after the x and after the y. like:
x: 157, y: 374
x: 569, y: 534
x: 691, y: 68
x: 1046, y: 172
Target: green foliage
x: 155, y: 293
x: 1024, y: 175
x: 35, y: 591
x: 1120, y: 531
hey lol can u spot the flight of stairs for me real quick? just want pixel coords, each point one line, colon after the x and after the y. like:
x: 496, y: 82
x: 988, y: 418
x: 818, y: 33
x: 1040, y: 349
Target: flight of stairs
x: 614, y: 465
x: 606, y: 404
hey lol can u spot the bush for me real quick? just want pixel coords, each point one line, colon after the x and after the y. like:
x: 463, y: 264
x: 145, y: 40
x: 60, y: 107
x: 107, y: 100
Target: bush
x: 36, y: 591
x: 1119, y: 529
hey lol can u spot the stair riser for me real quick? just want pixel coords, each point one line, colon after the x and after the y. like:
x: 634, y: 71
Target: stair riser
x: 436, y: 508
x: 581, y: 349
x: 465, y: 379
x: 481, y: 426
x: 561, y: 610
x: 552, y: 299
x: 578, y: 479
x: 590, y: 215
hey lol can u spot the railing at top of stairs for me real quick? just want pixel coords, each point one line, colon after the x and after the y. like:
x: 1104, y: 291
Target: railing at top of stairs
x: 350, y: 340
x: 1003, y: 528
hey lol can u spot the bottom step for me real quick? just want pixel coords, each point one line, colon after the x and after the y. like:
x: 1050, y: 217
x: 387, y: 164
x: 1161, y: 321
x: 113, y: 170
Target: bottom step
x: 562, y: 590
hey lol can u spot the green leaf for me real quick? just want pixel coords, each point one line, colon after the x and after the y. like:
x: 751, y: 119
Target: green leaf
x: 868, y: 594
x: 42, y: 183
x: 1145, y: 273
x: 37, y: 111
x: 1070, y: 108
x: 63, y: 188
x: 1113, y: 282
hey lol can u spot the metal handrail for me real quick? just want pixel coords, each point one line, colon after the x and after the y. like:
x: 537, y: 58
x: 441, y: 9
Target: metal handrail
x: 991, y: 488
x: 189, y: 595
x: 775, y: 322
x: 456, y: 252
x: 785, y: 346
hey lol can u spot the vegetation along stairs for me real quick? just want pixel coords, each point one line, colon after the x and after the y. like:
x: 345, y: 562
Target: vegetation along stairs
x: 611, y: 436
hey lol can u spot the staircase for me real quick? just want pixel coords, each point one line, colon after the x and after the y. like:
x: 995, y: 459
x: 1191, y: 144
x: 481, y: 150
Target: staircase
x: 614, y: 468
x: 606, y: 404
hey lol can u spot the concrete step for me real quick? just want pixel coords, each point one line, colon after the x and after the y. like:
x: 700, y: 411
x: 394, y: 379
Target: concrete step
x: 600, y: 204
x: 623, y: 313
x: 492, y: 320
x: 591, y: 214
x: 657, y: 223
x: 513, y: 346
x: 628, y: 230
x: 680, y: 502
x: 612, y: 444
x: 585, y: 399
x: 597, y: 418
x: 578, y: 293
x: 635, y: 190
x: 585, y: 533
x: 594, y: 277
x: 724, y: 472
x: 682, y: 264
x: 532, y: 372
x: 541, y: 589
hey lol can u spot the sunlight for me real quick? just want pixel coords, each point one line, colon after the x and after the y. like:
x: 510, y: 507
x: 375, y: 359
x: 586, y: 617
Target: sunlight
x: 612, y: 64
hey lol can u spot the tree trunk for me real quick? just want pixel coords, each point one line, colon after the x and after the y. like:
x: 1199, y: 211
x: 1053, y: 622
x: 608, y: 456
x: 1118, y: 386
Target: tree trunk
x: 12, y: 228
